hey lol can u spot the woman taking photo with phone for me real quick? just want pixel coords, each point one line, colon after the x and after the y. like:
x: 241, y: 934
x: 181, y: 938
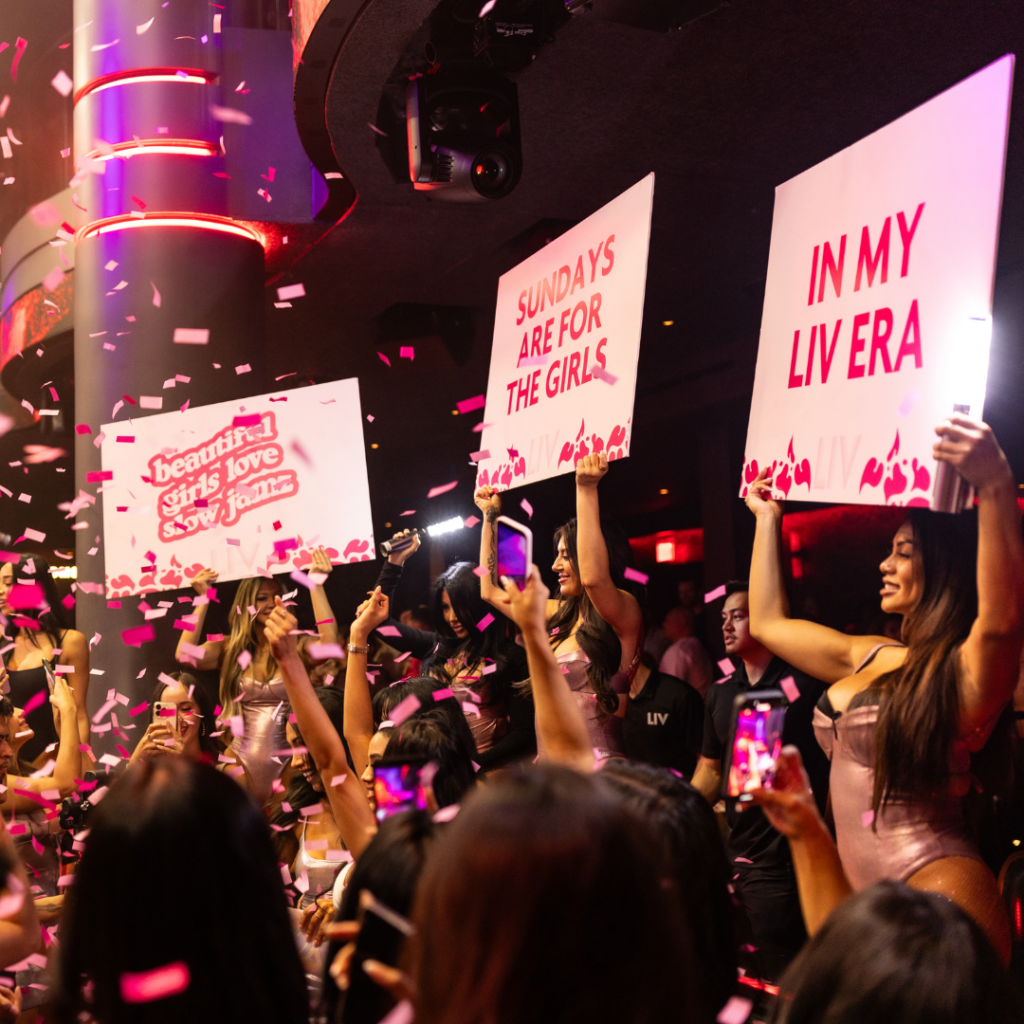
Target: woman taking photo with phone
x: 901, y: 721
x: 481, y: 665
x: 251, y: 686
x: 596, y: 625
x: 42, y: 642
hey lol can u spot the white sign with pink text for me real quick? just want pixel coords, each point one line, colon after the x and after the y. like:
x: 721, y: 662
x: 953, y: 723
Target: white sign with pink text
x: 244, y: 487
x: 878, y: 302
x: 566, y: 344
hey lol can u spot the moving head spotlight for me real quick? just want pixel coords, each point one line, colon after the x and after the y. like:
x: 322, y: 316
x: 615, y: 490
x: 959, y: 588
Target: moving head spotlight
x: 463, y: 126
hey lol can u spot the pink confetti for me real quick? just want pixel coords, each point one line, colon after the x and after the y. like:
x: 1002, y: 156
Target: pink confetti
x: 62, y: 82
x: 790, y: 689
x: 736, y: 1011
x: 191, y: 336
x: 252, y: 420
x: 384, y: 358
x: 401, y: 711
x: 912, y: 397
x: 602, y: 374
x: 443, y: 694
x: 34, y: 701
x: 443, y: 489
x: 407, y: 352
x: 470, y: 404
x: 485, y: 622
x: 528, y: 509
x: 83, y: 428
x: 446, y: 814
x: 53, y: 279
x: 635, y: 575
x: 156, y: 295
x: 480, y: 456
x: 161, y: 982
x: 470, y: 522
x: 136, y: 636
x: 388, y: 631
x: 290, y: 291
x: 480, y: 571
x: 714, y: 595
x: 244, y: 368
x: 151, y: 402
x: 402, y: 657
x: 139, y: 709
x: 481, y: 427
x: 99, y: 476
x: 726, y: 666
x: 867, y: 819
x: 19, y: 49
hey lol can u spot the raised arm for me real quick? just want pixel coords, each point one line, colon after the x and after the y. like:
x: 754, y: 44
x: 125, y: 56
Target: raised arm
x: 560, y: 724
x: 618, y: 608
x: 325, y: 624
x: 990, y: 656
x: 359, y: 727
x: 488, y: 500
x: 817, y: 650
x: 349, y: 805
x: 75, y: 653
x: 212, y: 650
x: 420, y: 643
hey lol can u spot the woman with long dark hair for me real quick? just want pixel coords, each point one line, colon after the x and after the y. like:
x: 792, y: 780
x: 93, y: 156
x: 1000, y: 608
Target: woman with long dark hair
x: 190, y: 731
x: 251, y: 686
x: 481, y: 665
x: 178, y: 910
x: 901, y: 721
x: 42, y: 646
x: 596, y: 625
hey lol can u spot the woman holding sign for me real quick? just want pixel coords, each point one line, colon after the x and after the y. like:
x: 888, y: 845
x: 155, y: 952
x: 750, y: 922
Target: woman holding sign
x: 596, y: 625
x: 253, y: 700
x: 900, y: 723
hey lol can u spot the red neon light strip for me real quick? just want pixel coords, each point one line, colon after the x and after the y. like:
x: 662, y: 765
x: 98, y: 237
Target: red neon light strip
x: 157, y: 147
x: 202, y: 221
x: 195, y: 76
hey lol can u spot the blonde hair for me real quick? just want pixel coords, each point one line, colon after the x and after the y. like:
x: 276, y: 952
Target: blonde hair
x: 242, y: 637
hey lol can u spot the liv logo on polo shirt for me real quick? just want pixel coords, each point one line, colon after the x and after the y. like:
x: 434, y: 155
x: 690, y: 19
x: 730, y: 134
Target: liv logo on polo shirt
x: 657, y: 717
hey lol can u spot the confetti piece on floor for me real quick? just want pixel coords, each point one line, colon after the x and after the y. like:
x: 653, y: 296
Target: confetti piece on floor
x: 485, y: 622
x: 442, y: 489
x: 714, y: 595
x: 159, y: 983
x: 634, y: 574
x: 790, y: 689
x: 191, y: 336
x: 470, y: 404
x: 726, y: 666
x: 291, y: 291
x: 401, y: 711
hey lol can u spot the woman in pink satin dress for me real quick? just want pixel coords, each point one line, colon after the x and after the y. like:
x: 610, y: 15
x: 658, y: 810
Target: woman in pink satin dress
x: 900, y: 722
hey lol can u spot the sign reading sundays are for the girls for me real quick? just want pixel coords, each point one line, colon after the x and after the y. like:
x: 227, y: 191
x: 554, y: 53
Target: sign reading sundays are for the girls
x: 566, y: 343
x: 878, y: 301
x: 242, y: 487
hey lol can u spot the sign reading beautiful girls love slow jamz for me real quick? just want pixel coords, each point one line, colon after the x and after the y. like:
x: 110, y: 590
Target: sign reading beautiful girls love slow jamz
x: 243, y: 487
x: 566, y: 343
x: 878, y: 302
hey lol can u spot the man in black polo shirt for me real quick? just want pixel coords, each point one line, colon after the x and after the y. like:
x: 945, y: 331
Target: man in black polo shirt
x: 664, y: 721
x: 763, y: 877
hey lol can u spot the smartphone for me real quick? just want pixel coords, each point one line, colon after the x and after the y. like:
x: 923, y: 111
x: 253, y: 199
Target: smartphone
x: 167, y: 712
x: 398, y: 787
x: 515, y: 550
x: 755, y: 741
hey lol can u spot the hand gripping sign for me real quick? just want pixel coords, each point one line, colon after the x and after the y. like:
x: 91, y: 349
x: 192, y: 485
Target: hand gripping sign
x: 877, y: 310
x: 566, y: 343
x: 240, y: 487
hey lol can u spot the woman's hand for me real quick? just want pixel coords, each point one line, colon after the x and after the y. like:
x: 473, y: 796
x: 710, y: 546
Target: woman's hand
x: 403, y: 556
x: 759, y: 496
x: 159, y: 738
x: 590, y: 469
x: 202, y: 580
x: 391, y: 979
x: 370, y: 614
x: 789, y: 805
x: 63, y: 697
x: 488, y: 500
x: 315, y: 916
x: 321, y: 562
x: 10, y: 1002
x: 527, y: 608
x: 971, y: 448
x: 278, y: 632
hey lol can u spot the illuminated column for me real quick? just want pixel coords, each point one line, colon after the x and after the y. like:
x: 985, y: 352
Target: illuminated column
x: 156, y: 251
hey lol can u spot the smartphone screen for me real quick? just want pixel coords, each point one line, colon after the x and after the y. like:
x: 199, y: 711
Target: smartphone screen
x: 397, y: 788
x: 756, y: 746
x: 513, y: 554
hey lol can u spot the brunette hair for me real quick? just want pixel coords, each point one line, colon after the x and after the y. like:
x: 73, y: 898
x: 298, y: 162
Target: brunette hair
x: 226, y: 918
x: 695, y: 858
x: 893, y: 953
x: 428, y: 736
x: 596, y: 638
x: 535, y: 867
x: 207, y: 743
x: 918, y: 716
x: 50, y: 614
x: 241, y: 637
x: 424, y: 688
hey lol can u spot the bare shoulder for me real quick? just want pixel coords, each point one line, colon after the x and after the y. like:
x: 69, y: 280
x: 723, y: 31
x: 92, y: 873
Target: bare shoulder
x: 885, y: 660
x: 73, y: 643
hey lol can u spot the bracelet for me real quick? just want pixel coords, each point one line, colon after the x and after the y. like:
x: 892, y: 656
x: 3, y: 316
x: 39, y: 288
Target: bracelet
x: 358, y: 649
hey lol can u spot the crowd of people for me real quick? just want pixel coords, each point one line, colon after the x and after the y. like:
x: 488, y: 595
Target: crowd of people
x: 511, y: 806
